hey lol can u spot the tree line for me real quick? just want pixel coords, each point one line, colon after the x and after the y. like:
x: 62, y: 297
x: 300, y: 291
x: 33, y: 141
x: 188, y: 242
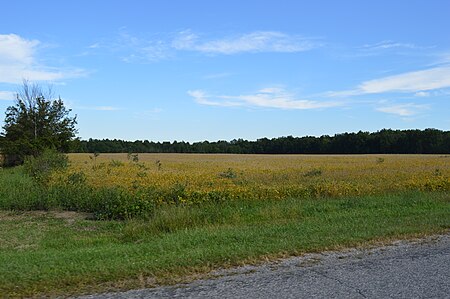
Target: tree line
x: 386, y: 141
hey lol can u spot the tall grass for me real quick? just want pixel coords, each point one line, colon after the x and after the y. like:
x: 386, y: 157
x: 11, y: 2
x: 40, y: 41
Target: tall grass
x: 20, y: 192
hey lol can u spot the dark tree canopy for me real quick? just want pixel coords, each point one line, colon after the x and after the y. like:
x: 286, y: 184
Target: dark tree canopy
x: 386, y: 141
x: 34, y: 123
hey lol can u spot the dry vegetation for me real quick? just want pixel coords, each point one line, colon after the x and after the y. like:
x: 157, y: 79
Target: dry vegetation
x: 198, y: 177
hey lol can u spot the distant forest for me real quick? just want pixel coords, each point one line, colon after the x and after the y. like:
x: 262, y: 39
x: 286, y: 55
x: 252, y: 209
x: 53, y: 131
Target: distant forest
x: 428, y: 141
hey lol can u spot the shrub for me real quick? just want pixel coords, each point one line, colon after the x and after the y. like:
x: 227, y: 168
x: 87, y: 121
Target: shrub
x: 116, y: 203
x: 42, y: 166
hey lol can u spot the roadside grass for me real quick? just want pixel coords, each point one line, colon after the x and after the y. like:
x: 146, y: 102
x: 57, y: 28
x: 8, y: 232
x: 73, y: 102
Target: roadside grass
x: 18, y: 191
x: 60, y: 253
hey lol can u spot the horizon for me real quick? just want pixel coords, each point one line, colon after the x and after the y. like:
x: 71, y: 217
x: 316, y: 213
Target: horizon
x: 201, y: 71
x: 253, y: 140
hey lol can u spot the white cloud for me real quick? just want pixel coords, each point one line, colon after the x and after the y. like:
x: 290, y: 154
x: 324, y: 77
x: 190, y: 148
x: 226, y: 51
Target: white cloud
x: 217, y: 75
x: 135, y: 49
x: 430, y: 79
x: 7, y: 95
x: 158, y: 47
x: 418, y: 82
x: 408, y: 109
x: 202, y: 98
x: 388, y: 44
x: 444, y: 58
x: 94, y: 46
x: 14, y: 49
x: 18, y: 61
x: 422, y: 94
x: 271, y: 97
x: 254, y: 42
x: 16, y: 73
x: 389, y: 47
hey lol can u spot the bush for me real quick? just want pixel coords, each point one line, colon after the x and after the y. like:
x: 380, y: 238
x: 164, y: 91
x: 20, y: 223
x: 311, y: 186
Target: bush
x: 116, y: 203
x: 42, y: 166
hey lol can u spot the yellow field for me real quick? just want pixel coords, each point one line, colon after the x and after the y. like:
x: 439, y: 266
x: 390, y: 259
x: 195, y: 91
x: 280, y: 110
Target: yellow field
x: 199, y: 177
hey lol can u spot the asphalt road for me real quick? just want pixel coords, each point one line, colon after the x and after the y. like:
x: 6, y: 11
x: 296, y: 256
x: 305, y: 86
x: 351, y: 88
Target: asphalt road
x: 404, y: 269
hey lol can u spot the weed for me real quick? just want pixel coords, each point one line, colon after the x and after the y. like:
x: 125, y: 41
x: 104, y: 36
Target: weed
x: 313, y: 173
x: 133, y: 157
x: 116, y: 163
x: 158, y: 164
x: 229, y: 174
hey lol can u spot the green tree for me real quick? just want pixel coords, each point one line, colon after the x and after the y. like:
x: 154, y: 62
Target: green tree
x: 34, y: 123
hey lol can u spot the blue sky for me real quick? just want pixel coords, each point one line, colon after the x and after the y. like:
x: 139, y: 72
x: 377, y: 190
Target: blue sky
x: 219, y: 70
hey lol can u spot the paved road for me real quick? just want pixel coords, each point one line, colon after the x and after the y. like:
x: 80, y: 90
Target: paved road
x: 413, y: 269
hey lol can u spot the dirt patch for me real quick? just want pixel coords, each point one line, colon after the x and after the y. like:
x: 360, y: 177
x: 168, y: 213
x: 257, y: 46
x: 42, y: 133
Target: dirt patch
x: 69, y: 216
x: 16, y: 215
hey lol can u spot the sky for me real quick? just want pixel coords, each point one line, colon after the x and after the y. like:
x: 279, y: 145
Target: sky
x: 222, y: 70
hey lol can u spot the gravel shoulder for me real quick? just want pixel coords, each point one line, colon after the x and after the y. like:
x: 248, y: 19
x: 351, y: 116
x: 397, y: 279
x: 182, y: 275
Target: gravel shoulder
x: 417, y: 268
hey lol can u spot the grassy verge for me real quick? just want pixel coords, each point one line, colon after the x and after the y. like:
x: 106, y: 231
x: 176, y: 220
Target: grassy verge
x: 61, y: 253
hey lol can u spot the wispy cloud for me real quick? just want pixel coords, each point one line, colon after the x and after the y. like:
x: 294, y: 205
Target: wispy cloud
x: 388, y: 44
x: 18, y: 60
x: 440, y: 59
x: 201, y: 97
x: 7, y: 95
x: 389, y: 47
x: 158, y: 47
x: 430, y: 79
x: 254, y: 42
x: 271, y: 97
x: 150, y: 114
x: 94, y: 46
x: 217, y: 75
x: 431, y: 82
x: 405, y: 110
x: 416, y: 82
x: 422, y: 94
x: 137, y: 49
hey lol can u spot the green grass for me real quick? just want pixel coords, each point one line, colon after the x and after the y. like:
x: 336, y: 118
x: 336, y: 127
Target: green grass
x: 18, y: 191
x: 61, y: 253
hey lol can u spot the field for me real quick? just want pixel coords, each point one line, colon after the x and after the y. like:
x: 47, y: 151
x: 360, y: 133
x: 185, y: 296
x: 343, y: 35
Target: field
x: 118, y: 221
x: 228, y: 177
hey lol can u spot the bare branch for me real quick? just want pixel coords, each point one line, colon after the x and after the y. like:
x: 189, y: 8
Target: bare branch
x: 30, y: 92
